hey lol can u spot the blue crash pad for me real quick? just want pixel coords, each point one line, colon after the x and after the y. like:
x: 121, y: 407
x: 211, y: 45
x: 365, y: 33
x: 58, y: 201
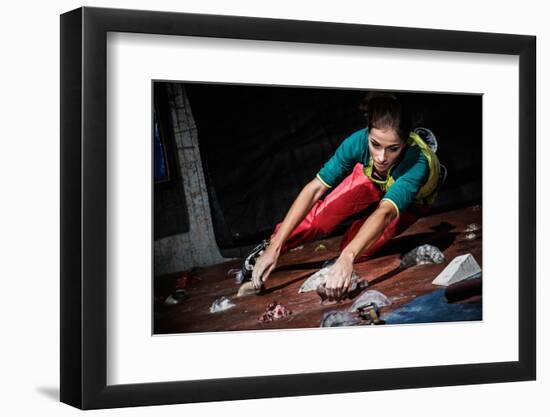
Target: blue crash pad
x: 431, y: 308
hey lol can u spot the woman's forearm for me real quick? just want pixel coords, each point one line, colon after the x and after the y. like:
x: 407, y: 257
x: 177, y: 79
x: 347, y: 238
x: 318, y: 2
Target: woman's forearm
x: 309, y: 195
x: 370, y: 231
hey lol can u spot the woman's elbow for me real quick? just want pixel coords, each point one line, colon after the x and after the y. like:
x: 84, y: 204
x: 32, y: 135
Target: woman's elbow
x: 317, y: 188
x: 388, y: 210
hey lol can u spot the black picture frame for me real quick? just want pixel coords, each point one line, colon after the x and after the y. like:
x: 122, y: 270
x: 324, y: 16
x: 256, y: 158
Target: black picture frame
x: 84, y: 207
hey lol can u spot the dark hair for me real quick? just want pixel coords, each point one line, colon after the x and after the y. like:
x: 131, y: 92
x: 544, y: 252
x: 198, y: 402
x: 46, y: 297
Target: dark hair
x: 385, y: 111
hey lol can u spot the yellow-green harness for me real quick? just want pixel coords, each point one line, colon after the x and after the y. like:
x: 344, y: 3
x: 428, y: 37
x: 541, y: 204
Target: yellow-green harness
x: 428, y: 192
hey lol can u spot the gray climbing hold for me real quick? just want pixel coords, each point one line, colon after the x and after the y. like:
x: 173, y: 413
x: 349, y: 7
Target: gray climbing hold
x: 177, y: 297
x: 425, y: 254
x: 472, y: 227
x: 339, y: 319
x: 368, y: 297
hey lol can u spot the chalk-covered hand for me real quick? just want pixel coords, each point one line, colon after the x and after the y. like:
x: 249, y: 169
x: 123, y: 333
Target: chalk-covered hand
x: 264, y: 265
x: 339, y: 277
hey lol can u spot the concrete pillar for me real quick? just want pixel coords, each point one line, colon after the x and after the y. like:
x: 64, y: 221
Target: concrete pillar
x: 197, y: 247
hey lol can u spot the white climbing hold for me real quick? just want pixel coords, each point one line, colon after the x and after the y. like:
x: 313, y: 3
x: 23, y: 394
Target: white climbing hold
x: 321, y: 276
x: 221, y: 304
x: 460, y: 268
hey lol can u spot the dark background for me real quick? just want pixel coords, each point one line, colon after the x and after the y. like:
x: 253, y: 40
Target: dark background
x: 260, y: 145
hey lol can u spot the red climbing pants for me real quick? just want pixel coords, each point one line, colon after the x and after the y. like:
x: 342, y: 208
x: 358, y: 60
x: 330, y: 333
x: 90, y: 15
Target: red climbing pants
x: 354, y: 194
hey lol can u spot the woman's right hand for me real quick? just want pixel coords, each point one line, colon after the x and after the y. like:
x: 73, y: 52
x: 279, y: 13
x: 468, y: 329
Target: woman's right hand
x: 264, y: 265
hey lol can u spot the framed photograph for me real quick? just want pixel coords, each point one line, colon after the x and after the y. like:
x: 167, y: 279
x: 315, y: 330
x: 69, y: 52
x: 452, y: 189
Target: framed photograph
x: 243, y: 198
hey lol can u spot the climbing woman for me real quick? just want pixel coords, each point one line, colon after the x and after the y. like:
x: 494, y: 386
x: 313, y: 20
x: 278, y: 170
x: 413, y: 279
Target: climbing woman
x: 386, y: 165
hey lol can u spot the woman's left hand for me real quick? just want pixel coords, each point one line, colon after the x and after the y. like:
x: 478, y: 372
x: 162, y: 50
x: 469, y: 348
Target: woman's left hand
x: 339, y: 279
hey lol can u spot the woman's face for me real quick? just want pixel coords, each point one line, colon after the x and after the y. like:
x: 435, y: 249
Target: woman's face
x: 385, y: 146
